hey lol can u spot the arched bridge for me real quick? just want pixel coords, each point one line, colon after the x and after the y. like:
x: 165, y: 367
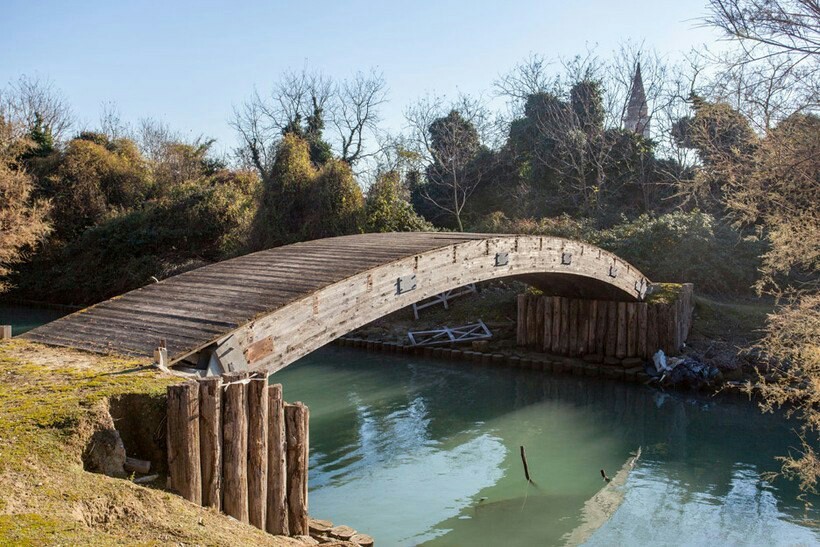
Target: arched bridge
x: 264, y: 310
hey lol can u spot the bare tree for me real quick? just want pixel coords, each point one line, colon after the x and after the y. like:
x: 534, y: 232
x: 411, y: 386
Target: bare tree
x: 766, y: 28
x: 111, y: 123
x: 355, y: 112
x: 304, y: 101
x: 30, y: 98
x: 450, y: 137
x: 528, y: 77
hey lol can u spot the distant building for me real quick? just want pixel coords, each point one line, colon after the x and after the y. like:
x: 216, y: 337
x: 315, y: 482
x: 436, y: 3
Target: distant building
x: 636, y: 117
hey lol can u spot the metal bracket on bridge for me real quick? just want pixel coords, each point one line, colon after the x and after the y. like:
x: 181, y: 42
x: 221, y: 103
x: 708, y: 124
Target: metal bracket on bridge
x: 641, y: 288
x: 502, y: 258
x: 613, y: 271
x: 405, y: 283
x: 566, y: 259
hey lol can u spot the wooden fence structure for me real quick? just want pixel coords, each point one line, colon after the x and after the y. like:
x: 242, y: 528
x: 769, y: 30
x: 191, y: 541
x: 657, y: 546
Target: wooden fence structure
x: 577, y: 327
x: 236, y: 446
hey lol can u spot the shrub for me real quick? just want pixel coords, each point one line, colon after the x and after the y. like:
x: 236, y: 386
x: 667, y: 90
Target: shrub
x: 687, y: 247
x: 197, y: 223
x: 387, y: 208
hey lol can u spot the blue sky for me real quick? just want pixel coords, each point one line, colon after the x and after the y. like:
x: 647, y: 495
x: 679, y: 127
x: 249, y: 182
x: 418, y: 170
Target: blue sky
x: 187, y: 63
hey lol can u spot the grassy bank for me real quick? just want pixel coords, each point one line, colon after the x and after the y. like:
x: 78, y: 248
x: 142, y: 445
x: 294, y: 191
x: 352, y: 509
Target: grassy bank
x: 51, y: 404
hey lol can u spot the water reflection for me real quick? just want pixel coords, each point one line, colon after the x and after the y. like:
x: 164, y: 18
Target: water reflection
x: 415, y: 451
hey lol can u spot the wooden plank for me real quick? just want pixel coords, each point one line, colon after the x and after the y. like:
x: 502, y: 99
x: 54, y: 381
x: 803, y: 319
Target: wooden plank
x: 662, y: 317
x: 611, y: 328
x: 583, y: 326
x: 277, y: 509
x: 555, y: 342
x: 257, y: 451
x: 620, y: 348
x: 210, y: 440
x: 631, y: 329
x: 600, y: 329
x: 564, y: 337
x: 521, y: 320
x: 296, y: 430
x: 592, y: 327
x: 574, y: 304
x: 641, y: 350
x: 184, y: 469
x: 539, y: 322
x: 651, y: 329
x: 547, y: 345
x: 235, y: 447
x: 532, y: 334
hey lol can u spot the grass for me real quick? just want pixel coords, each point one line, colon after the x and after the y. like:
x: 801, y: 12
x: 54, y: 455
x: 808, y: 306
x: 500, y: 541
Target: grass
x: 51, y: 401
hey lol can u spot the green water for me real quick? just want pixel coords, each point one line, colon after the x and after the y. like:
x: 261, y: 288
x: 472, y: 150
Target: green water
x: 405, y: 449
x: 23, y: 318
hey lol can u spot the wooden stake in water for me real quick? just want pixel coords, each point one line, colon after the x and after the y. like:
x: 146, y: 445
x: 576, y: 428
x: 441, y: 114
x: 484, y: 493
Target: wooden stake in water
x: 526, y: 467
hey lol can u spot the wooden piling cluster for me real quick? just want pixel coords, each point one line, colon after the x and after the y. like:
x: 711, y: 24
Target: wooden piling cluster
x: 236, y: 446
x: 577, y: 327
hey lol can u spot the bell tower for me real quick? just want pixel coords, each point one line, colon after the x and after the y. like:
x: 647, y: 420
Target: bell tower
x: 636, y: 118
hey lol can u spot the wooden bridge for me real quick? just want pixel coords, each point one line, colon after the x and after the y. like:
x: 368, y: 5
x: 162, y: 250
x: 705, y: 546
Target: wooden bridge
x: 262, y: 311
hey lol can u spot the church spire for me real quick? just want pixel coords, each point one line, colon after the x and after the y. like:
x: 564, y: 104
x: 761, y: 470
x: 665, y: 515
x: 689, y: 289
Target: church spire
x: 636, y: 118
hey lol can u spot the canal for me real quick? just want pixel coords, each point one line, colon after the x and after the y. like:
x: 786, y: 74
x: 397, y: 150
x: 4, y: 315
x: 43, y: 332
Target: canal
x: 422, y: 452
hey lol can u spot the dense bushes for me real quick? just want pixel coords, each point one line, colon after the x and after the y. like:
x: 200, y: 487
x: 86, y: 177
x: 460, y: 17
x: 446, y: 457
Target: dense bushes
x: 198, y: 223
x: 387, y: 208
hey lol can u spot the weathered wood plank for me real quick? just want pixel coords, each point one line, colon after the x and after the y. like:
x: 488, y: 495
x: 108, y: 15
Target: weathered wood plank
x: 521, y: 320
x: 548, y: 302
x: 632, y: 329
x: 611, y: 328
x: 620, y: 348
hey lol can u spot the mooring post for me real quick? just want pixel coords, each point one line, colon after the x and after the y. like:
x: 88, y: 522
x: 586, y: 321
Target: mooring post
x: 296, y: 429
x: 184, y: 471
x: 257, y: 451
x: 526, y: 466
x: 277, y: 508
x: 5, y: 332
x: 235, y: 446
x: 210, y: 440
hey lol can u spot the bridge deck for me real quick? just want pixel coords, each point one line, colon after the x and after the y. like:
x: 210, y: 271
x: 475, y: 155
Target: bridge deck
x: 192, y: 309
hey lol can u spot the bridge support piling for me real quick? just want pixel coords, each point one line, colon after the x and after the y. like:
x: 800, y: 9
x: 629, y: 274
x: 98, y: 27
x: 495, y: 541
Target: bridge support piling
x: 277, y: 509
x: 210, y: 440
x: 296, y: 420
x: 235, y: 447
x: 257, y: 451
x: 184, y: 471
